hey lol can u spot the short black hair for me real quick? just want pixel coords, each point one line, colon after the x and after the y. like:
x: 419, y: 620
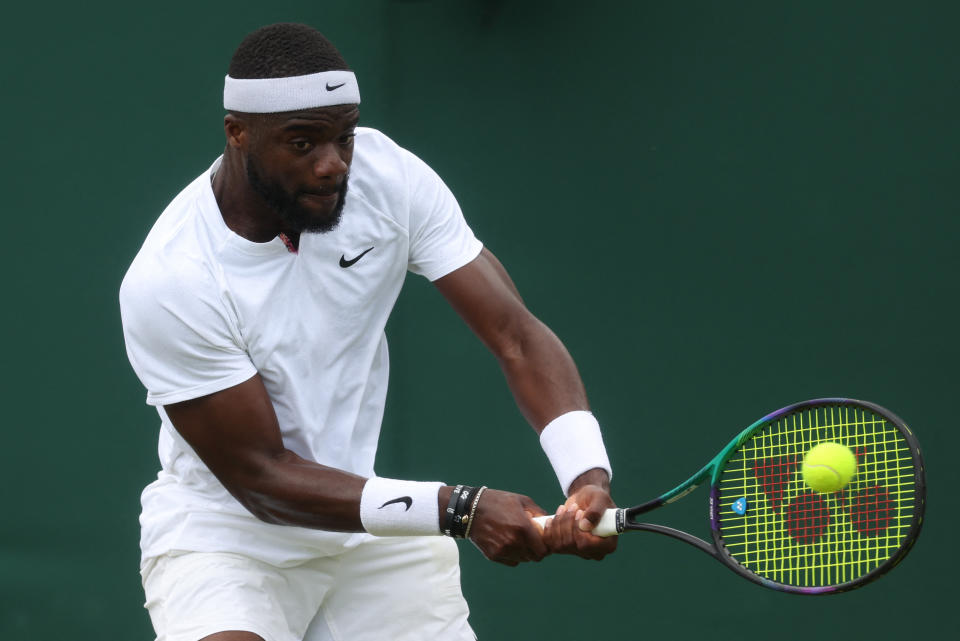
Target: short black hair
x: 282, y: 50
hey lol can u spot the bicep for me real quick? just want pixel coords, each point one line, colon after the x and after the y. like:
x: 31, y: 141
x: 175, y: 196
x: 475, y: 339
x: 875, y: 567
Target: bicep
x: 234, y: 431
x: 483, y: 294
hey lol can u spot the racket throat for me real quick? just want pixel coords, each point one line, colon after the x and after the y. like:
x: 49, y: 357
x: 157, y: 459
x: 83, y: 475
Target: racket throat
x: 696, y: 542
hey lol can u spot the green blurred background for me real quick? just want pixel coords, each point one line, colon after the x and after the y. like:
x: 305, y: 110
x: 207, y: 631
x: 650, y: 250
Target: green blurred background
x: 721, y: 207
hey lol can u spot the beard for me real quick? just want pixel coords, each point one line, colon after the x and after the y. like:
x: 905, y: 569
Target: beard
x: 294, y: 216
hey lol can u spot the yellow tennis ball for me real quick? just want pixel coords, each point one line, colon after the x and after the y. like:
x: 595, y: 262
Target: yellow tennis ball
x: 828, y: 467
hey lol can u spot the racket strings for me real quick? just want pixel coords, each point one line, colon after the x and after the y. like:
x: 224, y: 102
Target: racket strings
x: 773, y: 524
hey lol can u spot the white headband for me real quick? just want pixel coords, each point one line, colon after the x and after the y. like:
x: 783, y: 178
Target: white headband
x: 273, y: 95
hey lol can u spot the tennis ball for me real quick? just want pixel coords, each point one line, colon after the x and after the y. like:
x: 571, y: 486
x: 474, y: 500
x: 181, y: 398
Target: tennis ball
x: 828, y: 467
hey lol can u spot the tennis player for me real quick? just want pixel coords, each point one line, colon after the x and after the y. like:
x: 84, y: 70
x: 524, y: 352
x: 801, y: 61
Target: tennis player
x: 254, y: 315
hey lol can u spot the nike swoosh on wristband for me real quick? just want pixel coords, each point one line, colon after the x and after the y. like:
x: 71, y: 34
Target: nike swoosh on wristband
x: 346, y: 263
x: 334, y: 87
x: 406, y: 500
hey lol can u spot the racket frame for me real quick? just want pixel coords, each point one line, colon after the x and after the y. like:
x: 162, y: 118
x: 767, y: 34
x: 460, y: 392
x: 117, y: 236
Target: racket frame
x: 626, y: 518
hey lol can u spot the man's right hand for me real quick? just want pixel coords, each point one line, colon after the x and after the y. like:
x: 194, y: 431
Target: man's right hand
x: 503, y: 530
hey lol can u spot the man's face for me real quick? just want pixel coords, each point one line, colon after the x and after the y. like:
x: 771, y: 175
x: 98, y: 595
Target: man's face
x: 299, y: 162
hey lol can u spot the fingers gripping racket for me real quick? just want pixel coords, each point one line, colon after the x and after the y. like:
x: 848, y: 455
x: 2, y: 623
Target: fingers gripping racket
x: 770, y: 527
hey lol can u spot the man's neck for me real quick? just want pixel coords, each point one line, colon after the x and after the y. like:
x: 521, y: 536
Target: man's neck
x: 244, y: 211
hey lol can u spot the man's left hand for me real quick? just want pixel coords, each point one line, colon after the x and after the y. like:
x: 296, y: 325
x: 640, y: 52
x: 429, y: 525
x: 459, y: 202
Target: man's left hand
x: 569, y: 532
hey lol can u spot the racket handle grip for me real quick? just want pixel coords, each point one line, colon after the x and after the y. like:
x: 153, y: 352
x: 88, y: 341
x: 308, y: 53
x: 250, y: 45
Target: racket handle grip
x: 606, y: 527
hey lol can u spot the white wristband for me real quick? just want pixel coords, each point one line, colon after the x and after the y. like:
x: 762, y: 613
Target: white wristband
x: 574, y: 445
x: 389, y: 507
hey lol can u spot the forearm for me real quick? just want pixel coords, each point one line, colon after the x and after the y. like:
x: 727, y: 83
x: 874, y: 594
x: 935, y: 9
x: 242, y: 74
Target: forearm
x: 289, y: 490
x: 541, y: 373
x: 285, y: 489
x: 549, y: 391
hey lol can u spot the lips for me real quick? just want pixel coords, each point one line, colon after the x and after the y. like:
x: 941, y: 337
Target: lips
x: 323, y: 195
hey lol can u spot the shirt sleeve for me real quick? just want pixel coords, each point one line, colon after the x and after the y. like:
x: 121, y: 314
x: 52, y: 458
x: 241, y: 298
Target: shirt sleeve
x: 440, y: 239
x: 180, y: 338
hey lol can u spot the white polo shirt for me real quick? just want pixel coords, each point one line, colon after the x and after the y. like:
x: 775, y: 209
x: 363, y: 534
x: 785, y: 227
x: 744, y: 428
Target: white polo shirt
x: 204, y: 309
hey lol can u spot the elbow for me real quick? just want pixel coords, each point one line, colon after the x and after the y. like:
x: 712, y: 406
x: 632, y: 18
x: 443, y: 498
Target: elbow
x: 255, y: 487
x: 515, y: 338
x: 255, y: 502
x: 263, y: 512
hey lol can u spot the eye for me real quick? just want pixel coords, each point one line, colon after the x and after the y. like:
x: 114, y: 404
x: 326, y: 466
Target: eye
x: 346, y: 140
x: 301, y: 145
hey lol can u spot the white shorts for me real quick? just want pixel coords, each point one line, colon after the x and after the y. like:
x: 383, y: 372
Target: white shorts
x: 398, y: 588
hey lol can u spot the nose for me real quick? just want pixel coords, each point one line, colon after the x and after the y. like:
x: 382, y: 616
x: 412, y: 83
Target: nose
x: 329, y: 161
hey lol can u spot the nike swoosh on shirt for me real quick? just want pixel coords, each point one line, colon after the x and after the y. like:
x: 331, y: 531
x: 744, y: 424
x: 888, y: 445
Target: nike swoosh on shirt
x: 406, y: 500
x: 346, y: 263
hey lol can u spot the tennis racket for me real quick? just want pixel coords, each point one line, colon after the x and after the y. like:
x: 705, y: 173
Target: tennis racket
x: 768, y: 526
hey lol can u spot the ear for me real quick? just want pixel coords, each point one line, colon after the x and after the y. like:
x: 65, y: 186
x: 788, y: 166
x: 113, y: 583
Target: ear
x: 237, y: 131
